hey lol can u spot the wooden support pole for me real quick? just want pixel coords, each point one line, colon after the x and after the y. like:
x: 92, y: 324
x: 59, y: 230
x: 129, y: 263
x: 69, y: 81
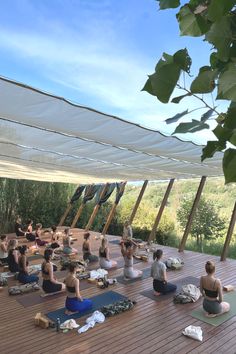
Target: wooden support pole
x: 229, y: 234
x: 63, y: 218
x: 161, y: 209
x: 95, y: 210
x: 192, y: 213
x: 79, y: 212
x: 77, y: 215
x: 138, y: 201
x: 111, y: 214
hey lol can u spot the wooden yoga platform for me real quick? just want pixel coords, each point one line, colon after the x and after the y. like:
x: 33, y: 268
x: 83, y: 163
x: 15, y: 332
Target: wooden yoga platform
x: 150, y: 327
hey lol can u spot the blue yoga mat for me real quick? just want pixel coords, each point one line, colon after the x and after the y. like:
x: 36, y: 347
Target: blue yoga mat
x: 99, y: 301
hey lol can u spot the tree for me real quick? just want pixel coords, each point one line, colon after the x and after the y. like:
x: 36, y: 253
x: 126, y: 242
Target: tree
x: 206, y: 223
x: 215, y: 20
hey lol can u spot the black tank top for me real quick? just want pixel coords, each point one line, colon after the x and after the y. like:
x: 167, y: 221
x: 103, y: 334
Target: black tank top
x: 102, y: 254
x: 13, y: 266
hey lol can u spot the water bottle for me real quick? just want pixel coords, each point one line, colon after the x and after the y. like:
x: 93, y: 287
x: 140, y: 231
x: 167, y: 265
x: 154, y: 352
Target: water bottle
x: 58, y: 323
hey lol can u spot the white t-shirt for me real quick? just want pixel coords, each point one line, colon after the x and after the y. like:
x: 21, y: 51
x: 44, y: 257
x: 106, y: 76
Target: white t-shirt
x: 157, y: 270
x: 127, y: 233
x: 2, y: 253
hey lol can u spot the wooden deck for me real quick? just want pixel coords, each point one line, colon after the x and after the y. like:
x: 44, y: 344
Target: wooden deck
x: 151, y: 327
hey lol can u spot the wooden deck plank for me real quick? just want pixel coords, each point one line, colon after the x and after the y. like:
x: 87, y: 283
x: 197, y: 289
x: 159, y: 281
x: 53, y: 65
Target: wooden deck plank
x: 151, y: 327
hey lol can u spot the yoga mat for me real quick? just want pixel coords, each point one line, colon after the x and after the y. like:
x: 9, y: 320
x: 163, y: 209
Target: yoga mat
x: 35, y: 298
x: 146, y: 274
x: 115, y: 254
x: 115, y: 242
x: 179, y: 283
x: 99, y: 301
x: 216, y: 321
x: 36, y: 256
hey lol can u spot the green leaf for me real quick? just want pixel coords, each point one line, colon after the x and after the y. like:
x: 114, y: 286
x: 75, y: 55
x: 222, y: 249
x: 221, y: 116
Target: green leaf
x: 168, y: 4
x: 148, y: 87
x: 183, y: 59
x: 216, y: 63
x: 207, y: 115
x: 227, y: 83
x: 233, y: 138
x: 230, y: 118
x: 220, y: 35
x: 190, y: 127
x: 204, y: 82
x: 176, y: 117
x: 212, y: 146
x: 179, y: 98
x: 219, y: 8
x: 229, y: 165
x: 164, y: 81
x: 223, y: 134
x: 191, y: 24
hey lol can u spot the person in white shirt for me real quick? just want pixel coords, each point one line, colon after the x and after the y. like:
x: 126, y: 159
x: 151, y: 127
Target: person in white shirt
x: 127, y: 232
x: 3, y: 249
x: 158, y: 273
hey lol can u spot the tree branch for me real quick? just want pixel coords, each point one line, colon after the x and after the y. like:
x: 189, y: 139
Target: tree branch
x: 199, y: 98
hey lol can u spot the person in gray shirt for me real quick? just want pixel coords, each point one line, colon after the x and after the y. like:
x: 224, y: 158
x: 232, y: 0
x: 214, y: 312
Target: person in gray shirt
x: 158, y: 273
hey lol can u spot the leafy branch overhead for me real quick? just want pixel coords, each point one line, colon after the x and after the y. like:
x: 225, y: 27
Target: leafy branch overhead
x: 215, y: 22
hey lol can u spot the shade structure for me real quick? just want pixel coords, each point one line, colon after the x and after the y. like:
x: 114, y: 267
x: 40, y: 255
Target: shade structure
x: 45, y: 137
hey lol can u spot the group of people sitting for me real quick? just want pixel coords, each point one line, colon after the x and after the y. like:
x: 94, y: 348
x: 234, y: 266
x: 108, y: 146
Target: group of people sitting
x: 16, y: 258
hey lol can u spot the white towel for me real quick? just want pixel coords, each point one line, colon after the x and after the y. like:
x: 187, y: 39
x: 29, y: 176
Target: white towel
x: 194, y: 332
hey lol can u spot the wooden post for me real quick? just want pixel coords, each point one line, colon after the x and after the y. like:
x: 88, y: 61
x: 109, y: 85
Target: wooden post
x: 229, y: 234
x: 77, y: 215
x: 63, y: 218
x: 111, y: 214
x: 191, y: 215
x: 138, y: 201
x: 95, y: 210
x: 161, y: 209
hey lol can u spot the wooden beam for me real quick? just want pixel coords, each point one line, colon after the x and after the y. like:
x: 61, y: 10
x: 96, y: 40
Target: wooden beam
x: 192, y: 213
x: 138, y: 201
x: 95, y: 210
x: 68, y: 208
x: 161, y: 209
x: 63, y: 218
x: 229, y: 234
x: 111, y: 214
x: 77, y: 215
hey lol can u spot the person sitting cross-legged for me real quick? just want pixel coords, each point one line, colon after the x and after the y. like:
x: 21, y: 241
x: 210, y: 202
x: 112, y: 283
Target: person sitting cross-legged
x: 50, y: 284
x: 86, y: 249
x: 66, y: 241
x: 128, y: 249
x: 158, y: 273
x: 13, y: 256
x: 3, y: 249
x: 104, y: 259
x: 24, y: 275
x: 211, y: 289
x: 74, y: 301
x: 38, y: 240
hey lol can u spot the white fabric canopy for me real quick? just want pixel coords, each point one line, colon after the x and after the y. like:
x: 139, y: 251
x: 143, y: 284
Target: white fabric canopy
x: 44, y: 137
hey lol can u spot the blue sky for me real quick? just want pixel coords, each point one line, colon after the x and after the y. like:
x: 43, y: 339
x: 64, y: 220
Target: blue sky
x: 95, y: 52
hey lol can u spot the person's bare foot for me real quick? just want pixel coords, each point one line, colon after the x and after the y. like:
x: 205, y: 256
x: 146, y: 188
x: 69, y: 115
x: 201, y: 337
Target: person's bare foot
x: 67, y: 312
x: 210, y: 315
x: 156, y: 293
